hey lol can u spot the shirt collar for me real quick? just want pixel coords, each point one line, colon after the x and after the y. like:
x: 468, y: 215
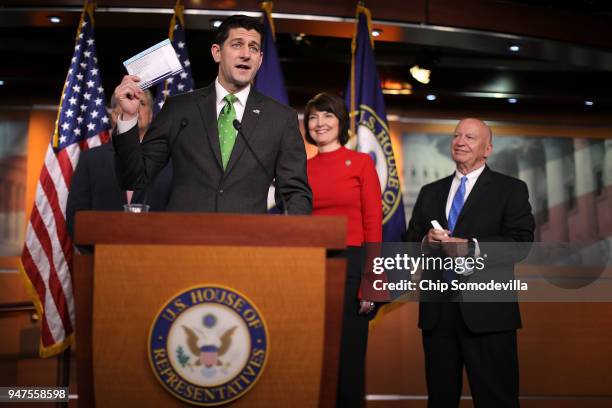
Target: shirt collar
x: 221, y: 92
x: 472, y: 176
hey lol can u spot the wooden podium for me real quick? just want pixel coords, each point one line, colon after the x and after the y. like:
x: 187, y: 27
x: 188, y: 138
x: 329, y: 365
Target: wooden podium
x: 141, y: 261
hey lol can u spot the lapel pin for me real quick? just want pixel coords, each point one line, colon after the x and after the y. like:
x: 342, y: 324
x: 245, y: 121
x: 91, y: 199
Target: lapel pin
x: 256, y: 111
x: 348, y: 163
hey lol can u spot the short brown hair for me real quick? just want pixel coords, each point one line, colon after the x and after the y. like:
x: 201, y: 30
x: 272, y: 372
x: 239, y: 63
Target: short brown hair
x: 329, y: 103
x: 238, y: 21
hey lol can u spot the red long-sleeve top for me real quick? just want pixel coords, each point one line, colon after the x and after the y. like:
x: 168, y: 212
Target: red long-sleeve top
x: 345, y: 182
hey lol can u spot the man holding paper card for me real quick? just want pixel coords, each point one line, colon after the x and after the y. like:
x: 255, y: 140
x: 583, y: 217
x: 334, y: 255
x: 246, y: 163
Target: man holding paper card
x: 94, y: 185
x: 227, y: 141
x: 456, y: 217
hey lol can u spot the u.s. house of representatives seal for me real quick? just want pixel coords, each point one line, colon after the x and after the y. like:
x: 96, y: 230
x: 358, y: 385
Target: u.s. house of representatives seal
x: 208, y: 345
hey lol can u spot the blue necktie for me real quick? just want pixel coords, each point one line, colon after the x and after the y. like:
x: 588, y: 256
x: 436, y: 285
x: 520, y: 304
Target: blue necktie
x: 457, y: 205
x: 448, y: 274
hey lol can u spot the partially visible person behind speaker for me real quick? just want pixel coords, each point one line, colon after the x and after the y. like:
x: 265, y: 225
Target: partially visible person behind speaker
x: 345, y: 183
x: 95, y: 185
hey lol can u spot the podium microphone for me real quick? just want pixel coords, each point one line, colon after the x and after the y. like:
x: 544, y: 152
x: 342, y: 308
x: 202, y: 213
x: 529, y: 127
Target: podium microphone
x: 238, y: 127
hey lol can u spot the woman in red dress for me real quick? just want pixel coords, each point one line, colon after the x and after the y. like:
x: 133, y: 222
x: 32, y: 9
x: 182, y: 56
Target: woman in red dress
x: 345, y: 183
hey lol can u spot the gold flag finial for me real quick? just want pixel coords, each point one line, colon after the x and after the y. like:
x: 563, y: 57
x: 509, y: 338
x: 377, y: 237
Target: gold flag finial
x: 267, y: 7
x: 178, y: 13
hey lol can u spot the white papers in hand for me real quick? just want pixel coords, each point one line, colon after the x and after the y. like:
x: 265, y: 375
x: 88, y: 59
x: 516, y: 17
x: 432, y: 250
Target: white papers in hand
x: 154, y: 64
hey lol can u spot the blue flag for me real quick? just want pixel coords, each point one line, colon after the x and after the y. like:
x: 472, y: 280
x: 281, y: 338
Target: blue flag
x: 369, y: 123
x: 179, y: 83
x: 269, y: 80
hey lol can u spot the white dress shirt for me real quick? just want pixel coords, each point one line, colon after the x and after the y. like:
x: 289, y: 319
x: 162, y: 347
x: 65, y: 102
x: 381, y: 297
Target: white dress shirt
x: 239, y: 105
x: 125, y: 125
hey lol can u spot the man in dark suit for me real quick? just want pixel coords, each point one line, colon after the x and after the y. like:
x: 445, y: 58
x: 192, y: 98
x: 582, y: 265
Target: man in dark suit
x: 475, y: 206
x: 94, y: 185
x: 214, y: 169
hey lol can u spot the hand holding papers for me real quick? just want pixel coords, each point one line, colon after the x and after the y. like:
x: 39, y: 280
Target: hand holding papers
x: 154, y: 64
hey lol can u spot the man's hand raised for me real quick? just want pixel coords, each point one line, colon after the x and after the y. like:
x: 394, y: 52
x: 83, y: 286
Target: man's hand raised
x: 128, y: 96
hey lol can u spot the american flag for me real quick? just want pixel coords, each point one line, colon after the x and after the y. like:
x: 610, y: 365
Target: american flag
x: 82, y: 122
x: 183, y: 82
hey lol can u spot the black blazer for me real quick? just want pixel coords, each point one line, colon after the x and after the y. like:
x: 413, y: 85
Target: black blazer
x: 186, y: 130
x: 497, y: 210
x: 94, y: 186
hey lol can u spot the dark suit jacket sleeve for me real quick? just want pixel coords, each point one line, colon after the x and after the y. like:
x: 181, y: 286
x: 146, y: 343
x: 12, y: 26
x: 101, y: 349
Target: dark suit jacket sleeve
x: 138, y: 163
x: 79, y: 195
x: 518, y: 223
x: 290, y: 170
x: 415, y: 232
x: 517, y: 230
x: 158, y: 193
x: 418, y: 228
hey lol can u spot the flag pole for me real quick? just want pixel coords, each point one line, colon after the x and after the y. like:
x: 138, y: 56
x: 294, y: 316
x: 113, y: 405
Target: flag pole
x: 353, y: 48
x: 178, y: 13
x: 361, y: 8
x: 88, y: 7
x: 267, y: 7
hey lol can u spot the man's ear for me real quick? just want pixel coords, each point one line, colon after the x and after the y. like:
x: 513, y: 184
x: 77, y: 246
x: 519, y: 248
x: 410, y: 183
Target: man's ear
x: 215, y: 50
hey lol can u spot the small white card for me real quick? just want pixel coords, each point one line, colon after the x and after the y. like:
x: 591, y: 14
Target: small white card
x: 436, y: 225
x: 154, y: 64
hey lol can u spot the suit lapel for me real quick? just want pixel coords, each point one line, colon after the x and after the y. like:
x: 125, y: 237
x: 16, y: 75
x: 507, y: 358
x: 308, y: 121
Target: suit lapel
x: 208, y: 110
x: 441, y: 200
x: 476, y: 195
x: 250, y: 118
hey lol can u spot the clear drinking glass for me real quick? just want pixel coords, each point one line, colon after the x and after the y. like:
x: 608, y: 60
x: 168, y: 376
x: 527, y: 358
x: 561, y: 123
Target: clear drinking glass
x: 136, y: 208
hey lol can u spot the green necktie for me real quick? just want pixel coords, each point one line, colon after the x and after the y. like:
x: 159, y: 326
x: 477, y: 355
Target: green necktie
x: 227, y: 133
